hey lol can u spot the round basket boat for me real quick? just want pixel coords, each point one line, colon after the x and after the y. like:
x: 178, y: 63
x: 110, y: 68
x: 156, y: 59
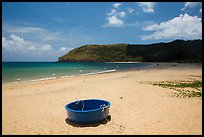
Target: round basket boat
x: 88, y: 111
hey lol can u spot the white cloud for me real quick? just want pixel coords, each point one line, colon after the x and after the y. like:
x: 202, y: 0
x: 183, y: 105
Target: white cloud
x: 18, y: 45
x: 17, y: 39
x: 31, y: 48
x: 114, y: 18
x: 183, y: 26
x: 14, y: 29
x: 147, y: 7
x: 130, y: 10
x: 3, y: 43
x: 122, y: 14
x: 32, y: 31
x: 62, y: 37
x: 190, y: 5
x: 112, y: 12
x: 36, y: 32
x: 28, y: 50
x: 41, y: 44
x: 116, y: 5
x: 114, y: 21
x: 15, y: 43
x: 63, y: 48
x: 46, y: 47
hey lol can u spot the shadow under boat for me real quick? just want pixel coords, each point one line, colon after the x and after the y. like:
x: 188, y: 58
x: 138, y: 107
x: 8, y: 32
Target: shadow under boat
x: 105, y: 121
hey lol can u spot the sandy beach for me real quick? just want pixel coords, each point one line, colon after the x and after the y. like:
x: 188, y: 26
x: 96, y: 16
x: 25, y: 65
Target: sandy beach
x: 136, y: 107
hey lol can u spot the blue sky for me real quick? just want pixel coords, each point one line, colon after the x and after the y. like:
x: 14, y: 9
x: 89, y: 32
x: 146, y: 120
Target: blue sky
x: 43, y: 31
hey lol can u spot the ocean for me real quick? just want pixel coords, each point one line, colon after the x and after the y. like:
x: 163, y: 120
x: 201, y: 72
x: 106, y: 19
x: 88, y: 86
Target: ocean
x: 34, y: 71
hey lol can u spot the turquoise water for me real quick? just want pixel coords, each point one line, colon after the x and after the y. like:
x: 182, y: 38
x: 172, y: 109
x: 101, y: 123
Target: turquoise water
x: 26, y: 71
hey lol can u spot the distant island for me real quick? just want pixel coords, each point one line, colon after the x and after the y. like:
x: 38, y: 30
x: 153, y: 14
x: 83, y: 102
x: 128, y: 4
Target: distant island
x: 189, y: 51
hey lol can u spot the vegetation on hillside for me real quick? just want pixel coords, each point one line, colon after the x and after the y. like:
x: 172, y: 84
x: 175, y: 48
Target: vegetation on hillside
x: 175, y: 51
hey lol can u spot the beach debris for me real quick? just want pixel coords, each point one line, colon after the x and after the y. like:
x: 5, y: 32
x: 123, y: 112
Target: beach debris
x: 184, y: 89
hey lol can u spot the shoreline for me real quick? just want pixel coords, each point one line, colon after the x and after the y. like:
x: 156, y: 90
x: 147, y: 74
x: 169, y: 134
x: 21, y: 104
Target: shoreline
x: 19, y: 80
x: 155, y: 65
x: 78, y: 75
x: 38, y: 107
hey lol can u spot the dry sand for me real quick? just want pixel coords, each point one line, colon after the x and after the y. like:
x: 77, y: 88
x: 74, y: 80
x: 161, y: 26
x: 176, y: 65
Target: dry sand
x: 136, y: 107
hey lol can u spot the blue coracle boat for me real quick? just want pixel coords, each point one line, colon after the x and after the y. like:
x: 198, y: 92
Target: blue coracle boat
x: 88, y: 111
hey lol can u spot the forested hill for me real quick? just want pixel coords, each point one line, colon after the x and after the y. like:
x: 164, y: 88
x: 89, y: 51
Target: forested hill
x: 175, y: 51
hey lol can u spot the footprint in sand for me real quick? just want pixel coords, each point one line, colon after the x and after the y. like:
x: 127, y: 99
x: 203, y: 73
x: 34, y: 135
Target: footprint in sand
x: 121, y: 129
